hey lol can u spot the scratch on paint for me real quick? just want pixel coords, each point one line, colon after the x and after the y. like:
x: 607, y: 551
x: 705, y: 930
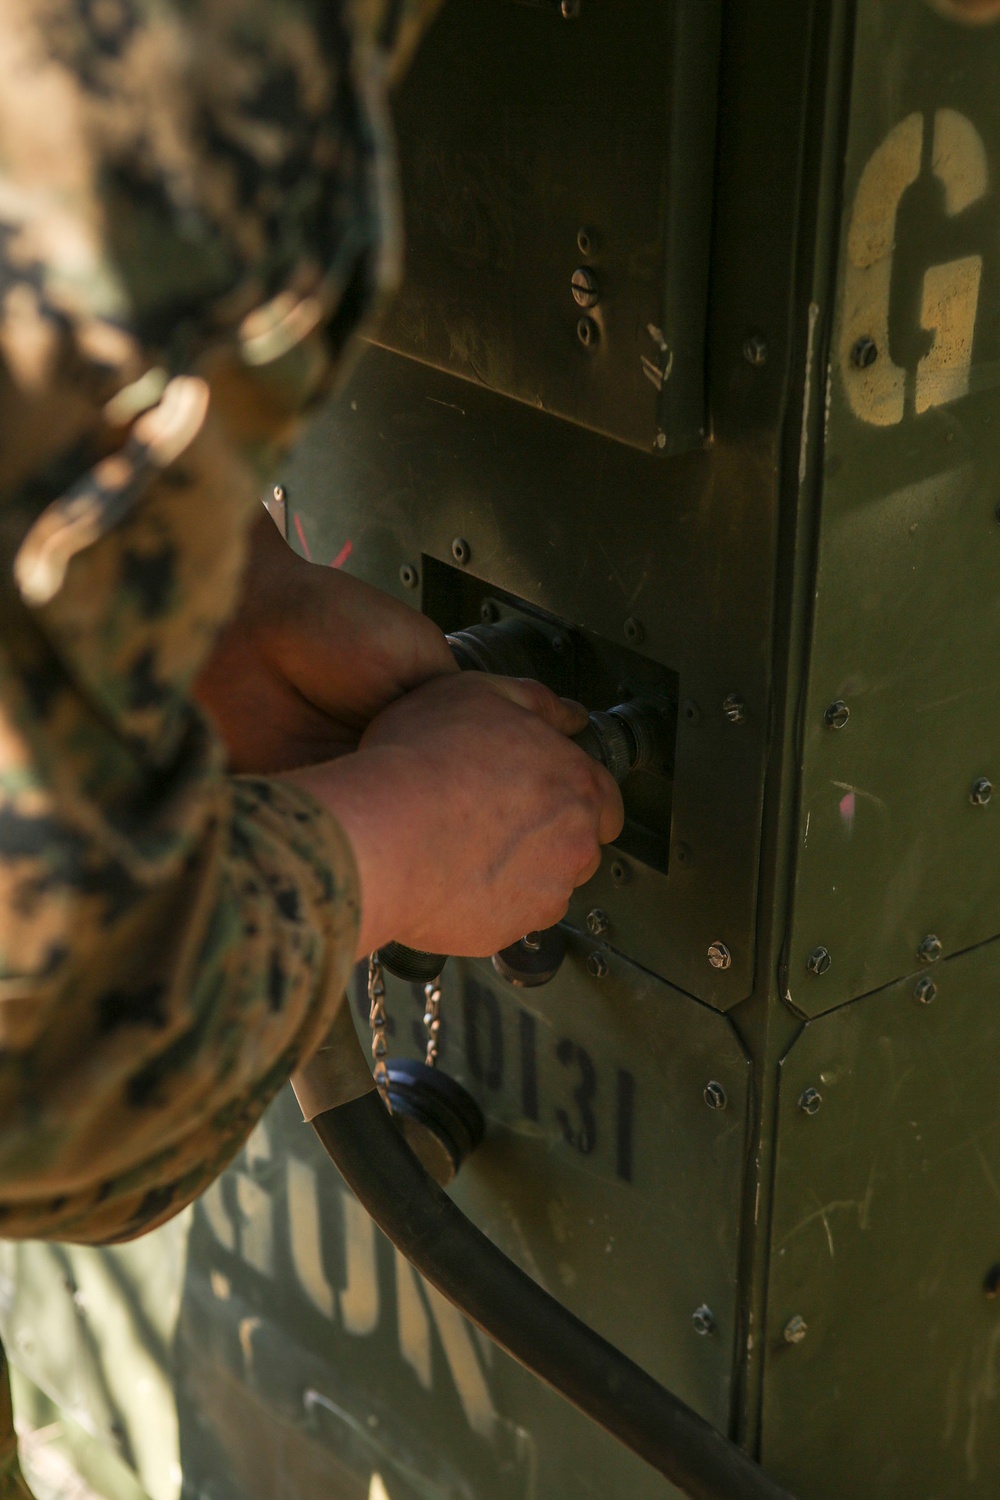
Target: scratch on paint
x: 449, y: 404
x: 805, y: 842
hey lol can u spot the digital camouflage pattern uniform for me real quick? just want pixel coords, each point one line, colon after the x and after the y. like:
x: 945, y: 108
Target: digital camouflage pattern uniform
x: 196, y: 210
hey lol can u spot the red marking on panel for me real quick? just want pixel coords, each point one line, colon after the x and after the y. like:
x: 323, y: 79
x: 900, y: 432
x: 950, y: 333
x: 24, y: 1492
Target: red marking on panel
x: 302, y: 536
x: 342, y: 555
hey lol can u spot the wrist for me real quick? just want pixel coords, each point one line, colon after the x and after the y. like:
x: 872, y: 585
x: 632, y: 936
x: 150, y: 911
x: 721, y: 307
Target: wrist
x: 377, y: 797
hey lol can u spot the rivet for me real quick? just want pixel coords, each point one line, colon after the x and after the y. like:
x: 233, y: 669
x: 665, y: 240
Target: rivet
x: 634, y: 632
x: 819, y: 961
x: 597, y: 966
x: 735, y: 709
x: 925, y: 990
x: 408, y: 576
x: 703, y: 1320
x: 755, y: 350
x: 982, y: 791
x: 278, y: 494
x: 460, y: 550
x: 837, y: 715
x: 587, y: 332
x: 719, y: 956
x: 621, y: 874
x: 796, y: 1329
x: 715, y: 1095
x: 810, y: 1101
x: 597, y: 922
x: 584, y: 287
x: 930, y: 949
x: 865, y: 352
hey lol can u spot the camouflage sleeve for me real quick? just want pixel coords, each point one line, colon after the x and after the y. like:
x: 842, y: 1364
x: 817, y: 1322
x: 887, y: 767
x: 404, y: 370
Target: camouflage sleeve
x: 196, y: 209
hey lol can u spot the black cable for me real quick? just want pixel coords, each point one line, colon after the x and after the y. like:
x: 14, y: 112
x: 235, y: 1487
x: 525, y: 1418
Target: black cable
x: 467, y: 1268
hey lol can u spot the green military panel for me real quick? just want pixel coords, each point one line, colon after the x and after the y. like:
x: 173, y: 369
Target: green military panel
x: 891, y: 847
x: 885, y: 1229
x: 597, y: 1119
x: 598, y: 536
x: 542, y: 140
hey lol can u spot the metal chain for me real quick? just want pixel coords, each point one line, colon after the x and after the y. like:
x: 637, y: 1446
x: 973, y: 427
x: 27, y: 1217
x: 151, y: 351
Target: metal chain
x: 432, y: 1019
x: 377, y: 1022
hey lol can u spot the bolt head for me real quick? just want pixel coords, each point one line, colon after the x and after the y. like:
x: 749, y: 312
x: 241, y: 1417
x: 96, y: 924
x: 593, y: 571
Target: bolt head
x: 796, y: 1329
x: 703, y: 1320
x: 597, y: 922
x: 460, y: 550
x: 597, y: 966
x: 864, y: 353
x: 715, y: 1095
x: 755, y: 350
x: 587, y: 332
x: 930, y: 949
x: 735, y: 709
x: 532, y: 941
x: 584, y: 287
x: 719, y: 956
x: 810, y: 1101
x: 925, y: 990
x: 982, y: 791
x: 408, y: 576
x: 837, y: 715
x: 819, y: 961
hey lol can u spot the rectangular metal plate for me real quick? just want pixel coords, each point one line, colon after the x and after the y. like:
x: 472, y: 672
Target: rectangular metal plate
x: 907, y: 617
x: 533, y: 145
x: 884, y: 1229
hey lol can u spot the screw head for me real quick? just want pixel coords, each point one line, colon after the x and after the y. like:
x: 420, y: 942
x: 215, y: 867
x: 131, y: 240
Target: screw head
x: 925, y: 990
x: 930, y: 949
x: 703, y: 1320
x: 620, y: 872
x: 597, y: 922
x: 597, y: 966
x: 489, y: 613
x: 634, y: 632
x: 796, y: 1329
x: 755, y: 350
x: 584, y: 287
x: 408, y: 576
x: 982, y: 791
x: 810, y: 1101
x: 460, y: 550
x: 587, y: 332
x: 715, y: 1095
x: 278, y: 494
x: 837, y: 715
x: 819, y: 961
x: 719, y: 956
x: 735, y: 709
x: 865, y: 352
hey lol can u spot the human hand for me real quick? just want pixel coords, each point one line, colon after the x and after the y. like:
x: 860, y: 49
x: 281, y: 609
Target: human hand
x: 472, y: 815
x: 311, y: 656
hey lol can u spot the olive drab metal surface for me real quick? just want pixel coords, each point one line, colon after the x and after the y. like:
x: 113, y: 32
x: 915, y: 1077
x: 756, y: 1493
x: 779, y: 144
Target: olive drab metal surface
x: 696, y: 371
